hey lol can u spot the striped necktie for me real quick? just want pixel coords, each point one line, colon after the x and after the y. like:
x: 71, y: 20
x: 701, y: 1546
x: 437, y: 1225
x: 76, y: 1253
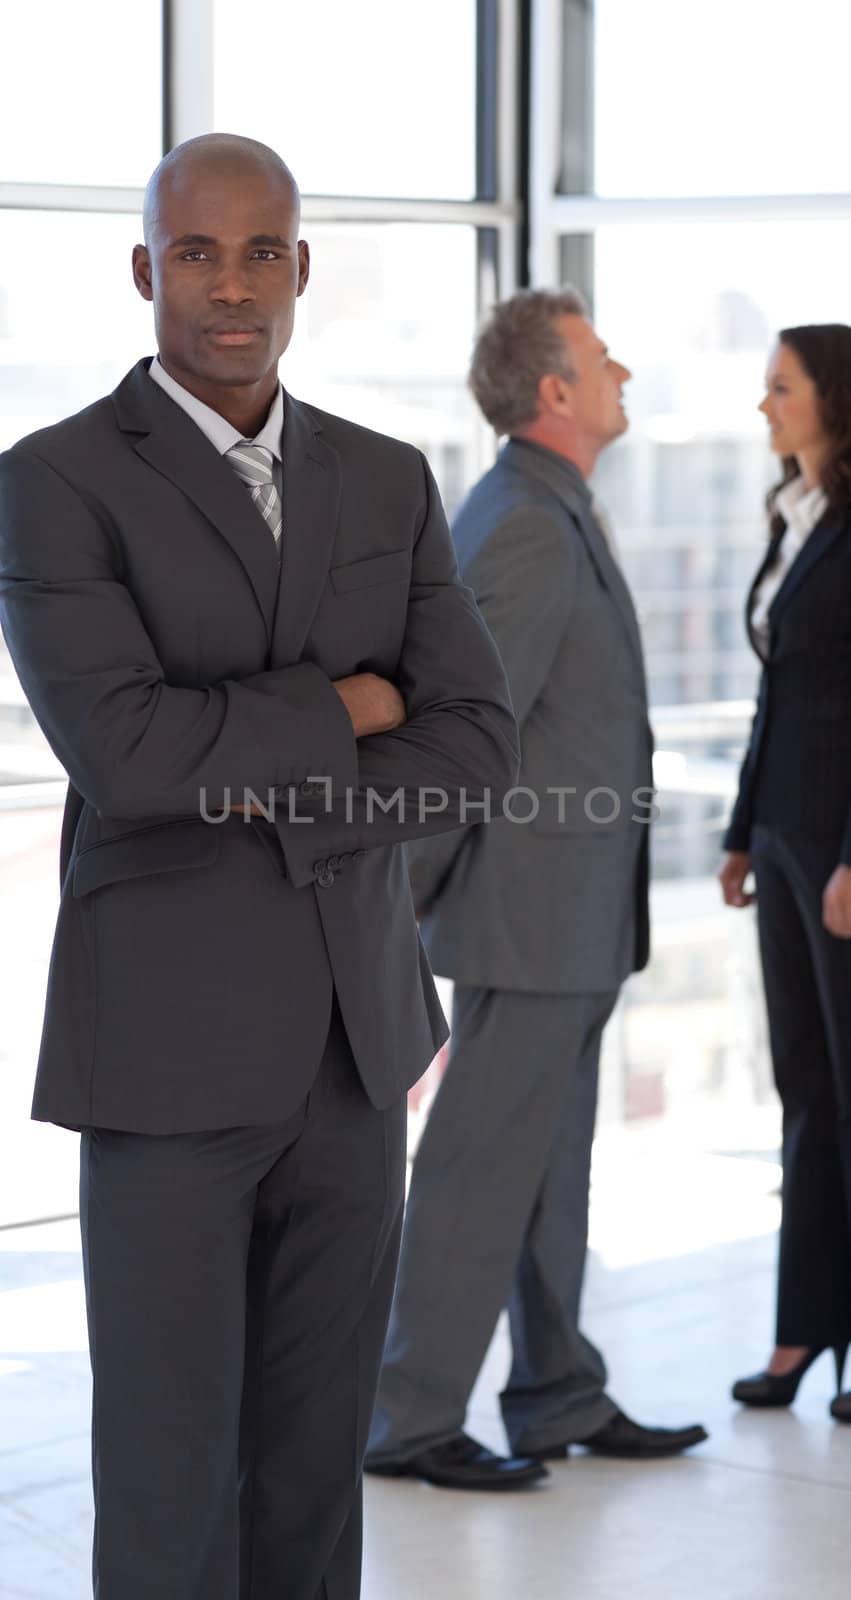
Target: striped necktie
x: 253, y: 464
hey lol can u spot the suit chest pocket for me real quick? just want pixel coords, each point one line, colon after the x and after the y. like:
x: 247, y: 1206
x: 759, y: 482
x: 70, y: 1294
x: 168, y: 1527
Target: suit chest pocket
x: 360, y: 623
x: 372, y: 573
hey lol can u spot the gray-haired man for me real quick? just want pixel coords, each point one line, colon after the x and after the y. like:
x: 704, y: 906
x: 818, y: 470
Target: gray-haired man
x: 538, y: 922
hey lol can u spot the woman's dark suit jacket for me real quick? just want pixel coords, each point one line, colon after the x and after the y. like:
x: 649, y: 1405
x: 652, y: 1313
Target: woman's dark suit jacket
x: 797, y: 771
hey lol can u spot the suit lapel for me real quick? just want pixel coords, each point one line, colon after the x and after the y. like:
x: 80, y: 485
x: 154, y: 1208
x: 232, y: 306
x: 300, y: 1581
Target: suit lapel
x: 566, y: 482
x: 765, y: 567
x: 311, y: 506
x: 820, y: 540
x: 611, y: 574
x: 176, y: 447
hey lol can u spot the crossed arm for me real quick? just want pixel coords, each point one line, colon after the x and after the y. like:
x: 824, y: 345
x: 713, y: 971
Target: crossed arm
x: 136, y: 746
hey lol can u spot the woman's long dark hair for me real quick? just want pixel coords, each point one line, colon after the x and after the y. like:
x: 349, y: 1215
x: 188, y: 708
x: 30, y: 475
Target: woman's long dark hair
x: 824, y: 351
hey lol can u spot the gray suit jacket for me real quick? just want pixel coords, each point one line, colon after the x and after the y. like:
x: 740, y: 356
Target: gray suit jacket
x: 558, y: 904
x: 169, y: 660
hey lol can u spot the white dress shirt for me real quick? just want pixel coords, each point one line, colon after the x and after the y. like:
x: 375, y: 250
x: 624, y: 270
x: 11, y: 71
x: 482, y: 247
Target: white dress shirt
x: 218, y: 430
x: 801, y: 509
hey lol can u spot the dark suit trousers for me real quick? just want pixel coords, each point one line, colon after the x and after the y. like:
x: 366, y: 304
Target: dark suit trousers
x: 497, y: 1217
x: 238, y: 1287
x: 807, y: 975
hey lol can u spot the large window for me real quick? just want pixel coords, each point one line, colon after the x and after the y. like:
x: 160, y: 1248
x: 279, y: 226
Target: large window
x: 81, y: 117
x: 80, y: 91
x: 693, y: 308
x: 376, y: 342
x: 400, y: 123
x: 374, y: 98
x: 690, y: 174
x: 71, y: 322
x: 741, y: 97
x: 700, y: 206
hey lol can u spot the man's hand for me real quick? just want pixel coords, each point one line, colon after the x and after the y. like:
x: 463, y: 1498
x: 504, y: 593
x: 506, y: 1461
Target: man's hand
x: 836, y: 903
x: 733, y: 872
x: 374, y: 704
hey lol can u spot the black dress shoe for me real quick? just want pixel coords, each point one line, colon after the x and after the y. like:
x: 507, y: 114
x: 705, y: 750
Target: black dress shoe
x: 463, y: 1463
x: 630, y: 1441
x: 840, y: 1408
x: 771, y: 1389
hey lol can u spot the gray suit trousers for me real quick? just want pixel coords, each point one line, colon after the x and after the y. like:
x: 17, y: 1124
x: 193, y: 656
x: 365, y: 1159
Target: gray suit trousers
x: 238, y: 1285
x: 498, y: 1216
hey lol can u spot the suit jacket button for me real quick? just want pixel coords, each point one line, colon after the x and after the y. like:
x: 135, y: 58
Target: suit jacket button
x: 323, y: 874
x: 334, y: 862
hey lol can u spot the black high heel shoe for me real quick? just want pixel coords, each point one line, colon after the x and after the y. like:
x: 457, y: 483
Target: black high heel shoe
x: 766, y: 1389
x: 840, y: 1408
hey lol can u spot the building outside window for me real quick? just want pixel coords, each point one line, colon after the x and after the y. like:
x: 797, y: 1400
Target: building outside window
x: 696, y: 223
x: 413, y: 221
x: 690, y: 173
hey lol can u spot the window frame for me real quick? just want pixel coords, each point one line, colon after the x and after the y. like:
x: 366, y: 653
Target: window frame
x: 496, y: 212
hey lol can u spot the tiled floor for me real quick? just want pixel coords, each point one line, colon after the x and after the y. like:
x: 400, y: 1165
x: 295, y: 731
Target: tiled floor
x: 679, y: 1299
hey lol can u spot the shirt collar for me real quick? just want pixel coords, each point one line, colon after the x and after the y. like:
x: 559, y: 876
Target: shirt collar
x: 801, y: 508
x: 568, y: 469
x: 217, y: 428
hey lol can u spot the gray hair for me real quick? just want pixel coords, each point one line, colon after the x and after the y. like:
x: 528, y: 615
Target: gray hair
x: 519, y: 344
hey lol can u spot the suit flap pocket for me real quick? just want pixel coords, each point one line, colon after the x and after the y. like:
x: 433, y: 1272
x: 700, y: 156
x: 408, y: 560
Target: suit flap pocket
x: 389, y: 568
x: 169, y: 847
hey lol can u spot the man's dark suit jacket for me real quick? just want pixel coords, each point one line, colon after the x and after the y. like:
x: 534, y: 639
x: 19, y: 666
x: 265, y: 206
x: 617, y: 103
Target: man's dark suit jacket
x: 559, y: 903
x: 168, y: 660
x: 797, y: 770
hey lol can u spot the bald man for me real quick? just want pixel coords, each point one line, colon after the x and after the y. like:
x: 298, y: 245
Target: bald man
x: 240, y: 625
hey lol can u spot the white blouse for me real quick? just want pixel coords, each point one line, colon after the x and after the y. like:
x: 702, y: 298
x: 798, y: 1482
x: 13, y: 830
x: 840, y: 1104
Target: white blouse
x: 801, y: 509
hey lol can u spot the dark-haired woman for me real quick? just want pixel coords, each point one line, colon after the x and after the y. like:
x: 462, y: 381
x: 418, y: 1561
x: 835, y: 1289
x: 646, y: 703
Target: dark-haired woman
x: 791, y: 825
